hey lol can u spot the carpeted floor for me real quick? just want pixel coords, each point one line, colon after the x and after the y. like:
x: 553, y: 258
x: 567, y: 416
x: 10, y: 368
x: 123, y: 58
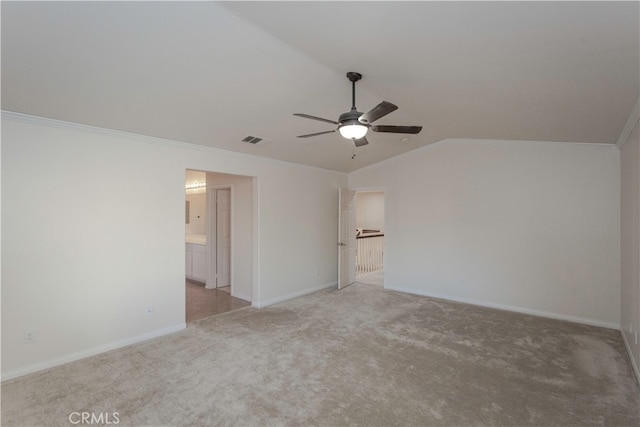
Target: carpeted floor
x: 375, y: 278
x: 360, y: 356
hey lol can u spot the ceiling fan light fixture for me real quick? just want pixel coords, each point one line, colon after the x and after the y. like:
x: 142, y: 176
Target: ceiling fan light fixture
x: 353, y: 130
x: 354, y: 125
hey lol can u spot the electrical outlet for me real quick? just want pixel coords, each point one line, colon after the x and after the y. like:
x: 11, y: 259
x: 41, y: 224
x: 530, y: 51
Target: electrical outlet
x: 29, y: 336
x: 149, y: 310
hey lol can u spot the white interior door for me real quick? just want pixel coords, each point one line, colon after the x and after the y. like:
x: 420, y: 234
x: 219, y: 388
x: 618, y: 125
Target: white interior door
x: 223, y: 238
x: 346, y: 237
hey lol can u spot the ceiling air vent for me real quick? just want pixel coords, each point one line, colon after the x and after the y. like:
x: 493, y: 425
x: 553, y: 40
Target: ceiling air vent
x: 253, y: 140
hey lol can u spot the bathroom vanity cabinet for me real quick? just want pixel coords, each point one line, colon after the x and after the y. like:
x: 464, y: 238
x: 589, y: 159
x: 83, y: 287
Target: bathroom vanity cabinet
x: 195, y: 261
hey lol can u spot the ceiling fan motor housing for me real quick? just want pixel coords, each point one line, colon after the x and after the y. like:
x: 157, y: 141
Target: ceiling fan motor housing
x: 350, y: 127
x: 350, y: 118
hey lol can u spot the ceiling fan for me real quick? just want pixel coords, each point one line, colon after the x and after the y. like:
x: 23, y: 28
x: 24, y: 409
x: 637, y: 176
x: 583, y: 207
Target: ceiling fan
x: 353, y: 125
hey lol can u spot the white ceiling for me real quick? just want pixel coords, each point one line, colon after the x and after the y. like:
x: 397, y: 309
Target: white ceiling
x: 211, y: 73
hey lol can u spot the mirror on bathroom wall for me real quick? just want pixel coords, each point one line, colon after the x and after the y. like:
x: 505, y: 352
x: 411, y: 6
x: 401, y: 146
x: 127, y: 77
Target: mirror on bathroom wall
x: 195, y: 202
x: 196, y: 206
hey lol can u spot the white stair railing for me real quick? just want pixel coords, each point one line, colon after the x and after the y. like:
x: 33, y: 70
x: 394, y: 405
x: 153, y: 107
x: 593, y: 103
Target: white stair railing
x: 369, y: 254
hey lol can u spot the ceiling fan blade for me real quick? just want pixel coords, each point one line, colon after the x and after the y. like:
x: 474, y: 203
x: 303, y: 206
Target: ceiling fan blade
x: 360, y: 142
x: 376, y: 112
x: 306, y: 116
x: 397, y: 129
x: 316, y: 134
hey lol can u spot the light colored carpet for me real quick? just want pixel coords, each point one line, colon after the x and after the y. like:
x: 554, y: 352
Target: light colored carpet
x: 360, y: 356
x: 375, y: 278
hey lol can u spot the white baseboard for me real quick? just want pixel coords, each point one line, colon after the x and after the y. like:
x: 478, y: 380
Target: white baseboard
x: 634, y: 363
x: 260, y: 304
x: 90, y: 352
x: 509, y: 308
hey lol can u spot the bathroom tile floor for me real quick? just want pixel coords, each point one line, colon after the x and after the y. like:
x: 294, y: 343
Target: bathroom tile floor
x: 202, y: 302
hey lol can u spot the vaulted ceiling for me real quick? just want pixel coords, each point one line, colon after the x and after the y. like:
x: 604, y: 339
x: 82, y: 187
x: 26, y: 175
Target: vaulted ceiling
x: 211, y: 73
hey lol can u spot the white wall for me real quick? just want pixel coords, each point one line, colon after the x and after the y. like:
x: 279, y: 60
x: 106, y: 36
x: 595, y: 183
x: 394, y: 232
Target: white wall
x: 370, y: 210
x: 630, y: 244
x: 298, y: 206
x: 96, y: 234
x: 526, y: 226
x: 241, y: 232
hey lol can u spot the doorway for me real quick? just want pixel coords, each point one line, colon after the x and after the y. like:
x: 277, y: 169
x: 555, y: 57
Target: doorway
x: 370, y: 236
x: 223, y: 276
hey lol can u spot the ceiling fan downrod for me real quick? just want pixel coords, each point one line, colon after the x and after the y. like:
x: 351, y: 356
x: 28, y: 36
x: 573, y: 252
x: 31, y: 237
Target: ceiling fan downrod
x: 353, y: 77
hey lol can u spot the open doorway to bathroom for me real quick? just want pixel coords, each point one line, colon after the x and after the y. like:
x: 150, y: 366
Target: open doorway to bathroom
x: 370, y: 237
x: 218, y: 243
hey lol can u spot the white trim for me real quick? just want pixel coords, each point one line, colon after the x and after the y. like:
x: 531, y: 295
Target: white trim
x: 260, y: 304
x: 152, y: 139
x: 255, y: 206
x: 633, y: 118
x: 93, y: 351
x: 514, y: 309
x: 627, y: 346
x: 212, y: 268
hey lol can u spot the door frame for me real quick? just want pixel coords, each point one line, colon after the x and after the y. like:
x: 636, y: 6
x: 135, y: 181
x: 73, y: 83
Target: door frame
x: 212, y: 244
